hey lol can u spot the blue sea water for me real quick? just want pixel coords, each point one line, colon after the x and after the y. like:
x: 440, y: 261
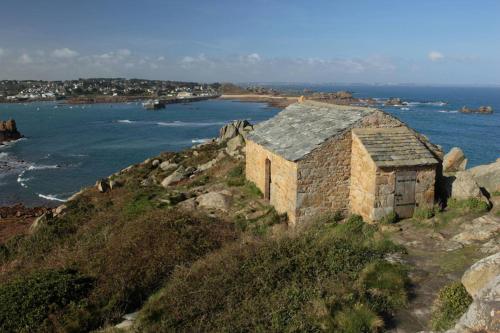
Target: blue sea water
x: 67, y: 148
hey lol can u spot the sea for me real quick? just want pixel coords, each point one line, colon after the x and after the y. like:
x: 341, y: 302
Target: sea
x: 67, y: 147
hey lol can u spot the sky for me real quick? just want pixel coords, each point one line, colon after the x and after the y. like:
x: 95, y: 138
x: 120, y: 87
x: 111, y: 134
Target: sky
x: 343, y: 41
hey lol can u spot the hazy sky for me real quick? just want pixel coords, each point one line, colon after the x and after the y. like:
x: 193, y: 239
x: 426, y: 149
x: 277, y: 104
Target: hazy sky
x: 425, y: 41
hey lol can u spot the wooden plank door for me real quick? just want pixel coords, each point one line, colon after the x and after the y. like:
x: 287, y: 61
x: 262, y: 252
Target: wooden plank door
x: 267, y: 187
x: 404, y: 196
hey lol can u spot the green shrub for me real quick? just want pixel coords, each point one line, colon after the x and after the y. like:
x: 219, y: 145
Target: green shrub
x: 236, y: 176
x: 390, y: 218
x: 423, y: 213
x: 200, y: 181
x: 385, y: 285
x: 26, y: 302
x: 472, y: 205
x: 358, y: 319
x: 252, y: 190
x: 452, y: 301
x: 495, y: 194
x: 271, y: 285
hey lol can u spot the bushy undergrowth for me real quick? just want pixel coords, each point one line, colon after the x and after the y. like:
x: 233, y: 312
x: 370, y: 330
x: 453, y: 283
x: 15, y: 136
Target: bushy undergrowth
x: 452, y: 301
x: 26, y: 302
x: 330, y: 277
x: 129, y: 257
x: 472, y: 205
x: 423, y: 213
x: 390, y: 218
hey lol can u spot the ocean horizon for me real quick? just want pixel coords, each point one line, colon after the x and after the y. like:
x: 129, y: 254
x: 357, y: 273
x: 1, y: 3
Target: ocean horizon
x: 67, y: 147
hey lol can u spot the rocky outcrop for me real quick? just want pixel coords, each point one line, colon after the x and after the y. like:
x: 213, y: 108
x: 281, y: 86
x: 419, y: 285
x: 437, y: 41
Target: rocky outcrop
x: 481, y: 109
x: 481, y: 273
x: 179, y: 174
x: 482, y: 281
x: 8, y: 131
x: 463, y: 186
x: 215, y: 200
x: 395, y: 101
x: 235, y: 145
x: 238, y: 127
x: 454, y: 160
x: 487, y: 176
x: 480, y: 229
x: 102, y: 185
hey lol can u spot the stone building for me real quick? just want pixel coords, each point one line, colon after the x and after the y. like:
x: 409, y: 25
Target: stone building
x: 315, y: 158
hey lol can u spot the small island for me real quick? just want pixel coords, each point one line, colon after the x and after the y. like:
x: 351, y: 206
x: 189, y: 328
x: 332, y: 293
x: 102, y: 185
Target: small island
x: 8, y: 131
x: 481, y: 109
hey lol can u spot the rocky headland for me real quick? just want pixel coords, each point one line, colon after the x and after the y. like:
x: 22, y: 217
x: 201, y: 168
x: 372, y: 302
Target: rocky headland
x: 8, y: 131
x: 181, y: 240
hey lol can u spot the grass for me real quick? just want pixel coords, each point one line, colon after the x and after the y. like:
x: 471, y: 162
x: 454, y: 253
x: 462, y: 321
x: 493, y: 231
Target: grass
x: 457, y: 260
x: 495, y: 194
x: 236, y: 176
x: 472, y: 205
x: 26, y: 302
x: 390, y: 218
x: 452, y: 301
x: 423, y: 213
x: 129, y: 258
x: 327, y: 278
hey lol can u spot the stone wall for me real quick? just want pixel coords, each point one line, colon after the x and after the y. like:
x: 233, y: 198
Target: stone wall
x: 283, y: 178
x: 386, y: 179
x: 363, y: 180
x: 324, y: 175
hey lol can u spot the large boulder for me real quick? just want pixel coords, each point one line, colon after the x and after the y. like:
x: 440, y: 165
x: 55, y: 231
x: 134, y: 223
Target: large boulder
x: 235, y: 145
x: 175, y: 177
x: 481, y: 273
x: 483, y: 315
x: 8, y: 131
x: 215, y: 200
x: 463, y: 186
x: 237, y: 127
x: 168, y: 166
x: 454, y: 161
x: 102, y: 185
x: 487, y: 176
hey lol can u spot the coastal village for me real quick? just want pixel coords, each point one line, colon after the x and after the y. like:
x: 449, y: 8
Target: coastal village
x: 23, y: 91
x: 316, y: 163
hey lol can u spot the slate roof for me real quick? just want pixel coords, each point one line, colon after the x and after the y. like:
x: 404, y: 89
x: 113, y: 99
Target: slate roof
x: 394, y: 147
x: 301, y: 127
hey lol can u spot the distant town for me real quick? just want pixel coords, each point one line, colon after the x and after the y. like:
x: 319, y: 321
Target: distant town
x: 33, y: 90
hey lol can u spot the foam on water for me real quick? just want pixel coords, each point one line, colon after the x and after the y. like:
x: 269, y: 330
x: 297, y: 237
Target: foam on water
x: 50, y: 197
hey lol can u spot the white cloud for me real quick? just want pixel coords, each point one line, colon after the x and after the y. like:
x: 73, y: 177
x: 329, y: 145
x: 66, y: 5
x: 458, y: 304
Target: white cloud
x: 253, y: 58
x: 64, y: 53
x: 435, y: 56
x: 25, y: 59
x: 2, y: 52
x: 161, y: 58
x: 123, y: 52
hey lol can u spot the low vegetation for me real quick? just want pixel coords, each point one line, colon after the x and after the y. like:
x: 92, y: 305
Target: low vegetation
x: 390, y: 218
x: 331, y: 277
x: 471, y: 205
x: 27, y: 301
x: 452, y: 301
x: 423, y: 213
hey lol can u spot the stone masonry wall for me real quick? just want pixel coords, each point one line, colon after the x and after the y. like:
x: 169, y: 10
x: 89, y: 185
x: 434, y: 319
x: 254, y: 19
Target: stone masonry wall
x: 363, y: 180
x: 283, y: 178
x: 324, y: 175
x: 386, y: 179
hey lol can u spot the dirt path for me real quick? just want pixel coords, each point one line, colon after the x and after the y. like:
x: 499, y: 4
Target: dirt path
x: 439, y: 252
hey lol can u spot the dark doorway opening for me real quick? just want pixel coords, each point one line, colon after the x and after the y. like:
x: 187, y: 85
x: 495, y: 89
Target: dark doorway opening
x: 267, y: 188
